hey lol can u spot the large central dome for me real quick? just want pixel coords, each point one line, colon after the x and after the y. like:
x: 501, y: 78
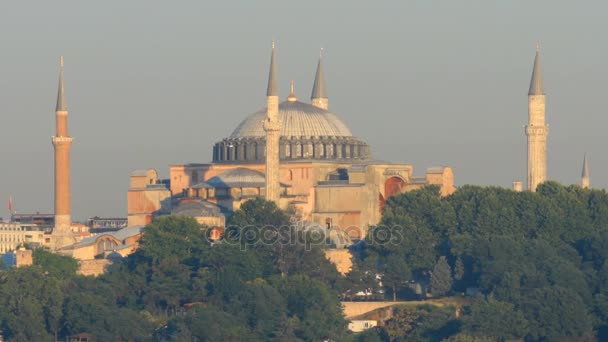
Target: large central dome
x: 298, y: 119
x: 307, y: 133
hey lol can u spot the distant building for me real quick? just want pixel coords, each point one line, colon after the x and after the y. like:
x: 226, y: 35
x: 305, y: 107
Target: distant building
x: 19, y: 257
x: 13, y: 235
x: 147, y: 196
x: 46, y: 221
x: 359, y: 325
x: 107, y: 245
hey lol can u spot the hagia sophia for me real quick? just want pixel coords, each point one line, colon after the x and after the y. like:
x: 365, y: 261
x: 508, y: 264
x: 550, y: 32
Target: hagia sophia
x: 324, y: 173
x: 300, y: 155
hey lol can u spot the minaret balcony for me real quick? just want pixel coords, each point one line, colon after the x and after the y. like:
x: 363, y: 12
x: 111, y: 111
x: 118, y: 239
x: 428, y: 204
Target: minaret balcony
x: 537, y: 130
x: 62, y: 140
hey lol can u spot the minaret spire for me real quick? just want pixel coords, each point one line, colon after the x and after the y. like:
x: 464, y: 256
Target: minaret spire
x: 272, y: 127
x: 319, y: 95
x: 273, y: 89
x: 536, y: 83
x: 537, y: 129
x: 61, y: 104
x: 585, y: 173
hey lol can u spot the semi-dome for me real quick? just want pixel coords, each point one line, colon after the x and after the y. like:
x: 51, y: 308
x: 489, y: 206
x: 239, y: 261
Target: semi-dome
x: 298, y: 119
x: 237, y: 178
x: 307, y: 133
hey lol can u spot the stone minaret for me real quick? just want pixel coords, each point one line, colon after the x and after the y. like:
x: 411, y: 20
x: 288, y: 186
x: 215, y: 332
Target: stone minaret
x: 272, y: 127
x: 318, y: 97
x: 536, y: 130
x: 62, y: 143
x: 585, y: 174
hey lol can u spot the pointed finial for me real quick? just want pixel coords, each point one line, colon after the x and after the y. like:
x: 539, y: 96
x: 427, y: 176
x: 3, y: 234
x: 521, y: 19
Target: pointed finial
x: 318, y: 87
x: 61, y: 104
x: 585, y: 173
x: 292, y: 96
x: 273, y: 89
x: 536, y: 83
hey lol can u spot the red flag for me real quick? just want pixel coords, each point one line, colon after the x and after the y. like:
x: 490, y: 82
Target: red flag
x: 10, y: 204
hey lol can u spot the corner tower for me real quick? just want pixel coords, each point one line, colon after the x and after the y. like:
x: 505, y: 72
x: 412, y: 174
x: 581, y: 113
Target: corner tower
x: 536, y: 130
x: 585, y: 174
x: 318, y: 97
x: 272, y: 127
x: 62, y: 143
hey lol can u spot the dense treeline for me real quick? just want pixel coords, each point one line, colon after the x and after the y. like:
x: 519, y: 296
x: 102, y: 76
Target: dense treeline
x: 537, y: 261
x: 179, y: 287
x: 533, y: 266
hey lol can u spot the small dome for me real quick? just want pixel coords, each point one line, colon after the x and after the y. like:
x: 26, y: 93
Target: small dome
x: 196, y: 209
x: 298, y: 119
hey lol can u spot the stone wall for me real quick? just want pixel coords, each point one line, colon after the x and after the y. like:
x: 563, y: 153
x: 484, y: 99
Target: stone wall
x: 93, y: 267
x: 356, y: 309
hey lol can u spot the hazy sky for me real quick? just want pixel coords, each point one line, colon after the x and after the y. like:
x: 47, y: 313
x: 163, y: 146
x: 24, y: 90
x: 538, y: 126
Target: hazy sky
x: 151, y: 83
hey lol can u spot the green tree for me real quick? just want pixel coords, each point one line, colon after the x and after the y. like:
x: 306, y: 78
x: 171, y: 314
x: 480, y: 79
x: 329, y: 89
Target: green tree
x: 315, y: 306
x: 495, y: 319
x: 262, y: 227
x: 90, y: 307
x: 178, y: 237
x: 441, y: 278
x: 395, y: 273
x: 369, y: 335
x: 56, y: 265
x: 463, y: 337
x: 556, y: 314
x: 258, y: 212
x: 26, y: 296
x: 205, y: 324
x: 421, y: 323
x: 458, y: 269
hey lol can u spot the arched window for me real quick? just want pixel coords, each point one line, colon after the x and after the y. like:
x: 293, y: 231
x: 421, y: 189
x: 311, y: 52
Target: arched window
x: 287, y: 150
x: 393, y: 186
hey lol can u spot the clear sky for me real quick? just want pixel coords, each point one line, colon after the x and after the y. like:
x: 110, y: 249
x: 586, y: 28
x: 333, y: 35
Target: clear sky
x: 151, y: 83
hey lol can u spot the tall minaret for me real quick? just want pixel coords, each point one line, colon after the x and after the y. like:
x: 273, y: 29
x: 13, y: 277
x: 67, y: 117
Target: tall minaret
x: 62, y: 143
x: 585, y: 174
x: 536, y: 130
x: 318, y: 97
x: 272, y: 126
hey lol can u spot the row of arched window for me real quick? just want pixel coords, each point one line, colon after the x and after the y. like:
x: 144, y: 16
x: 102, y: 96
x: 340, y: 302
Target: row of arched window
x: 251, y: 151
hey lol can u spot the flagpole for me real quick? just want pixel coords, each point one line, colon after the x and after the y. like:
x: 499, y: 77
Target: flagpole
x: 10, y: 207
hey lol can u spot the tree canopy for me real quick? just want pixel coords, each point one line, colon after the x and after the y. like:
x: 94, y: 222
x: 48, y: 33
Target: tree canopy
x: 533, y: 265
x: 539, y: 258
x: 179, y: 286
